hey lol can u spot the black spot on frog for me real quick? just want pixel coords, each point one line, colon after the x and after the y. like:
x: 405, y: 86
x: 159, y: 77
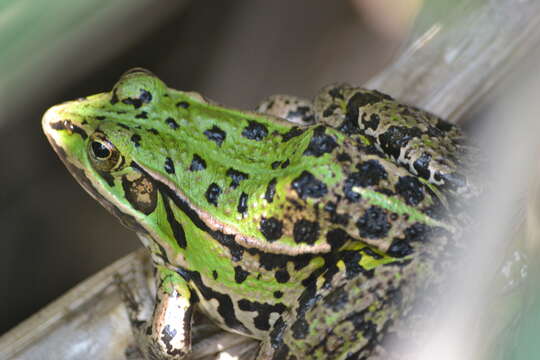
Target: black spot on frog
x: 236, y: 177
x: 370, y: 173
x: 410, y: 188
x: 336, y: 238
x: 216, y: 135
x: 169, y: 165
x: 303, y: 112
x: 306, y: 231
x: 197, y: 163
x: 212, y: 193
x: 373, y: 122
x: 271, y: 228
x: 255, y: 131
x: 344, y: 157
x: 282, y: 276
x: 142, y: 115
x: 145, y: 97
x: 374, y: 223
x: 136, y: 140
x: 417, y: 232
x: 264, y: 310
x: 294, y: 132
x: 270, y: 190
x: 355, y: 103
x: 182, y: 104
x: 172, y: 123
x: 306, y: 185
x: 399, y: 248
x: 421, y: 165
x: 336, y: 93
x: 397, y: 137
x: 329, y: 111
x: 242, y: 203
x: 320, y: 143
x: 335, y: 218
x: 240, y: 274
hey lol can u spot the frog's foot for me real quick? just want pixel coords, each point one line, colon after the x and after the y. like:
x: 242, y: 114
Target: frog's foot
x: 165, y: 332
x: 294, y: 109
x: 424, y: 144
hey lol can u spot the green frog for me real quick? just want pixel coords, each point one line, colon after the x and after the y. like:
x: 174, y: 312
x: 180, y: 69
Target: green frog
x: 311, y: 226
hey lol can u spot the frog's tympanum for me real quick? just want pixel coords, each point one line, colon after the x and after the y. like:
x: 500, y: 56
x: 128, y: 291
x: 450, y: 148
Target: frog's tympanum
x: 312, y: 227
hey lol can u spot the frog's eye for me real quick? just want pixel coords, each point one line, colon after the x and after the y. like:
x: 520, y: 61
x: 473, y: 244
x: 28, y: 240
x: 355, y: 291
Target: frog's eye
x: 104, y: 156
x: 100, y: 150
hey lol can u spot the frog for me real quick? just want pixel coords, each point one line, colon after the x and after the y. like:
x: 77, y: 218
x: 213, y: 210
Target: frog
x: 311, y: 226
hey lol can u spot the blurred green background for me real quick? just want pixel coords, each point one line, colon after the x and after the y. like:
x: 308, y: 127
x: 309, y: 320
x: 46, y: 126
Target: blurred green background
x: 53, y: 235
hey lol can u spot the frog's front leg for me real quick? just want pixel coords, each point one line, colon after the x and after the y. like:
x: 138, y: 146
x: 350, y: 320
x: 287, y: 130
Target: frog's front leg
x: 167, y: 334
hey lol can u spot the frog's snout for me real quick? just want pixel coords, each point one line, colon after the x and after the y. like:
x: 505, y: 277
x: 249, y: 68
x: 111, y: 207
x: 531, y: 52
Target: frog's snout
x: 59, y: 128
x: 51, y: 122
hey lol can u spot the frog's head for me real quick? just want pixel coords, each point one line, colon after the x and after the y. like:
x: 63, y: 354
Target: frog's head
x: 98, y: 138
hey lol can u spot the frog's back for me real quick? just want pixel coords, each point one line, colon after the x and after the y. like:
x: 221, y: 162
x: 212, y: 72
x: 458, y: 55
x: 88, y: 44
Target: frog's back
x: 286, y: 188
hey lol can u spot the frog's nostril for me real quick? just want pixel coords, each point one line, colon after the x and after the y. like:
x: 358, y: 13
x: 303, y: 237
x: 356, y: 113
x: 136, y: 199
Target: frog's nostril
x: 68, y: 126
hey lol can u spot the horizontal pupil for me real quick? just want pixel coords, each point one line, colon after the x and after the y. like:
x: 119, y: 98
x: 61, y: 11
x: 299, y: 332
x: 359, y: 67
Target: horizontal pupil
x: 100, y: 150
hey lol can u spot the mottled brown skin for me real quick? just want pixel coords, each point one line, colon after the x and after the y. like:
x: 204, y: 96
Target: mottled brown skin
x: 350, y: 313
x: 426, y: 145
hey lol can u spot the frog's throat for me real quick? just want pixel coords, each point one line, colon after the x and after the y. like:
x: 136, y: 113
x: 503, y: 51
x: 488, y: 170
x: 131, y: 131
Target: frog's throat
x: 246, y: 241
x: 92, y: 188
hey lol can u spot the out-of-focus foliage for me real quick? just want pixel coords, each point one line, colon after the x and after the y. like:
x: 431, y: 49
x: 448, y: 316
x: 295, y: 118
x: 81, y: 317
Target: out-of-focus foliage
x: 37, y: 38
